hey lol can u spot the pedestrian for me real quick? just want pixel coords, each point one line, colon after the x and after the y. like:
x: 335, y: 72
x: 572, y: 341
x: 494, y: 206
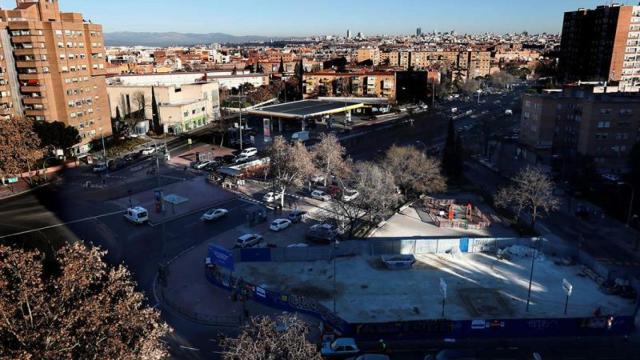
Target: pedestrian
x: 382, y: 346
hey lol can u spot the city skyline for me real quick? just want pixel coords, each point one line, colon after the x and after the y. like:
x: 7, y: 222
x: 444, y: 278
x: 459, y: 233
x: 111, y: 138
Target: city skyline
x: 336, y: 17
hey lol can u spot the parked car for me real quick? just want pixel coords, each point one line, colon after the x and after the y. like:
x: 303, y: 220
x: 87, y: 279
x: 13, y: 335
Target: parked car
x: 348, y: 195
x: 271, y: 197
x: 132, y: 156
x: 320, y: 195
x: 100, y: 167
x: 212, y: 166
x: 299, y: 245
x: 248, y: 240
x: 296, y: 215
x: 280, y: 224
x: 371, y: 357
x: 137, y: 215
x: 240, y: 159
x: 149, y: 150
x: 202, y: 164
x: 214, y: 214
x: 228, y: 159
x: 339, y: 347
x: 249, y: 152
x: 317, y: 179
x: 322, y: 233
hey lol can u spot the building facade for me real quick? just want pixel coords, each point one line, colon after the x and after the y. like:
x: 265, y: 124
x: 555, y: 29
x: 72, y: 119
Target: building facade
x: 365, y: 84
x: 181, y: 107
x: 53, y: 69
x: 601, y: 44
x: 580, y: 121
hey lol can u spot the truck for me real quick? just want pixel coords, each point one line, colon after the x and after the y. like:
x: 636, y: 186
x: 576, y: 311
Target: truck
x: 300, y: 136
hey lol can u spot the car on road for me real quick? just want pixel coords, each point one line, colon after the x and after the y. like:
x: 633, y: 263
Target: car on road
x: 149, y: 150
x: 137, y: 215
x: 212, y: 166
x: 101, y: 167
x: 349, y: 195
x: 271, y: 197
x: 320, y: 195
x: 248, y: 240
x: 214, y: 214
x: 249, y: 152
x: 280, y: 224
x: 296, y: 215
x: 339, y: 347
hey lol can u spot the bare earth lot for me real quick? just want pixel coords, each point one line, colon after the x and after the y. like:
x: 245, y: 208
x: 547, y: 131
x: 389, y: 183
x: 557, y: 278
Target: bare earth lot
x: 479, y: 286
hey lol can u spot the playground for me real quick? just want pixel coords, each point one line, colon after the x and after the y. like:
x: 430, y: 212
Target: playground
x: 448, y: 213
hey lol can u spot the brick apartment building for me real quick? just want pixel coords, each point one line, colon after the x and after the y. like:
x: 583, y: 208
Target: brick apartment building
x: 52, y: 68
x: 366, y: 83
x: 464, y: 65
x: 601, y: 44
x: 579, y: 120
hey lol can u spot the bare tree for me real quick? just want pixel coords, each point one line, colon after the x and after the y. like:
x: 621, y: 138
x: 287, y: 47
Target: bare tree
x: 266, y: 339
x: 19, y: 146
x: 413, y: 171
x: 377, y: 195
x: 289, y: 165
x: 328, y: 156
x: 532, y: 191
x: 75, y: 307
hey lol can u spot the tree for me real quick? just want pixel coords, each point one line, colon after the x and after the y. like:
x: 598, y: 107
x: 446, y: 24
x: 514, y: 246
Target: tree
x: 378, y: 194
x: 502, y: 79
x: 532, y: 191
x: 281, y: 68
x: 73, y: 307
x: 328, y: 155
x: 413, y: 171
x: 289, y: 165
x: 56, y: 135
x: 19, y: 146
x: 155, y: 113
x: 452, y: 160
x: 468, y: 87
x: 265, y: 339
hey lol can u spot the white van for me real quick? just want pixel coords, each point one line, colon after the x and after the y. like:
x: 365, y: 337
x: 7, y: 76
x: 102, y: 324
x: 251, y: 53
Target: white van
x: 137, y: 215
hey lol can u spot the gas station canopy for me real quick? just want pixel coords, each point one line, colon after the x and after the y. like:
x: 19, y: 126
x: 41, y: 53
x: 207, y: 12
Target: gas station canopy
x: 305, y: 109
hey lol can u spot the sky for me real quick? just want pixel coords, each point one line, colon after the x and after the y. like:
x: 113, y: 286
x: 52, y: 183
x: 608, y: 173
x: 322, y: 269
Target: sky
x: 324, y: 17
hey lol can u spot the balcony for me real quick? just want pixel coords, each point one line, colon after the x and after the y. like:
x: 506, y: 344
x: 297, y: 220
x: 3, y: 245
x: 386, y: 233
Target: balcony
x: 31, y: 88
x: 31, y: 63
x: 34, y: 112
x: 27, y: 39
x: 30, y: 51
x: 27, y: 100
x: 35, y: 76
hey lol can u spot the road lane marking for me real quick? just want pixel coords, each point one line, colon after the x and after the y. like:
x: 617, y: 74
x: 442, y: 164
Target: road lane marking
x: 63, y: 224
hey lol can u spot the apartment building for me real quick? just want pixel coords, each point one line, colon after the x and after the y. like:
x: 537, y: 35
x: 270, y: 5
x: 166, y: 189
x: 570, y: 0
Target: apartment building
x: 368, y: 83
x: 53, y: 67
x: 368, y: 53
x: 602, y: 44
x: 579, y: 120
x: 466, y: 64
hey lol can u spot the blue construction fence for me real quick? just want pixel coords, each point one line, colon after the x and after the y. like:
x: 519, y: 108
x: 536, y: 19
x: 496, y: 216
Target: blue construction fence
x: 431, y: 329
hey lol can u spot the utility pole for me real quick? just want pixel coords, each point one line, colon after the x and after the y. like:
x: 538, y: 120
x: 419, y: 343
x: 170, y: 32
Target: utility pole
x: 240, y: 106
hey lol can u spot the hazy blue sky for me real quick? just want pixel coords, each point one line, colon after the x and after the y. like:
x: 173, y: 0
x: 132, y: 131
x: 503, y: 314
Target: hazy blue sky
x: 303, y: 17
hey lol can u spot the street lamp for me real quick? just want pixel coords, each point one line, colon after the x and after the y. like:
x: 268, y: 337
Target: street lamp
x: 533, y: 261
x: 568, y: 289
x: 479, y: 91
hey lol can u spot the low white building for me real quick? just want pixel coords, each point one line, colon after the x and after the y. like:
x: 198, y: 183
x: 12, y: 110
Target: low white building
x: 181, y: 107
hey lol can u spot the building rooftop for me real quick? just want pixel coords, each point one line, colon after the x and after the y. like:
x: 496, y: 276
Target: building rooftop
x: 305, y: 108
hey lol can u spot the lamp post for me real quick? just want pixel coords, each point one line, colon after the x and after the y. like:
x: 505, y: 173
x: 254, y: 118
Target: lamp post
x: 568, y: 289
x: 479, y: 91
x: 533, y: 262
x: 443, y: 291
x: 633, y: 193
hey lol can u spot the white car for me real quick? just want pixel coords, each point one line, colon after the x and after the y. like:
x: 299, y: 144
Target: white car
x: 202, y: 164
x: 317, y: 179
x: 248, y: 240
x: 271, y: 197
x: 320, y: 195
x: 214, y: 214
x: 148, y: 151
x: 280, y: 224
x: 248, y: 152
x: 137, y: 215
x: 348, y: 195
x: 340, y: 347
x: 102, y: 167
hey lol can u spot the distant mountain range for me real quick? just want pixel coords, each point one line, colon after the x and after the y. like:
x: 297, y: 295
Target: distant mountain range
x: 128, y: 38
